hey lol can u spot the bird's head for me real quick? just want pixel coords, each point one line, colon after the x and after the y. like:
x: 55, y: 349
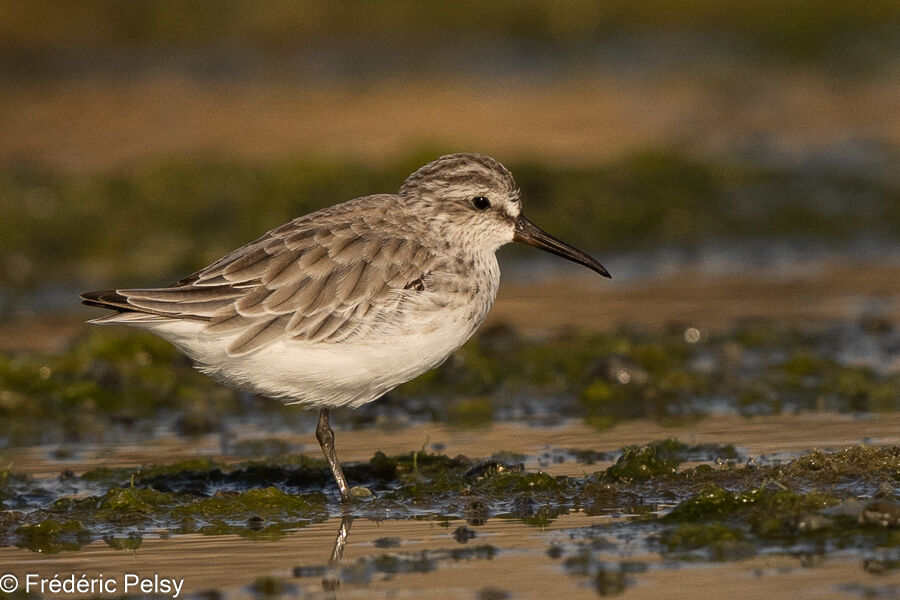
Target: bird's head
x: 473, y: 197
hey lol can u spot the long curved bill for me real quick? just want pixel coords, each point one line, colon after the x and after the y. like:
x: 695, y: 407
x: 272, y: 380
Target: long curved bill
x: 529, y: 233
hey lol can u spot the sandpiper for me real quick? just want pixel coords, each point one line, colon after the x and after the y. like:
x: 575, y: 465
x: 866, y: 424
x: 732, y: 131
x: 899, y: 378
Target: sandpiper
x: 340, y: 306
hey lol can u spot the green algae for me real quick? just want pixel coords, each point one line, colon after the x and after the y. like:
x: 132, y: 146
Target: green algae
x: 267, y: 502
x: 510, y: 483
x: 128, y: 505
x: 51, y: 536
x: 104, y: 378
x: 643, y: 462
x: 724, y: 512
x: 837, y: 386
x: 190, y: 504
x: 766, y: 510
x: 265, y: 513
x: 712, y: 503
x: 852, y: 463
x: 148, y: 473
x: 110, y: 379
x: 117, y: 507
x: 730, y: 523
x: 639, y: 463
x: 494, y: 466
x: 470, y: 490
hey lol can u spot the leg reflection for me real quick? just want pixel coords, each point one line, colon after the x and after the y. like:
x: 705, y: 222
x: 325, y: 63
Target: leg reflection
x: 332, y: 580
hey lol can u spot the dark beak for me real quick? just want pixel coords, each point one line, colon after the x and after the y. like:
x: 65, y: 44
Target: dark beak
x: 529, y: 233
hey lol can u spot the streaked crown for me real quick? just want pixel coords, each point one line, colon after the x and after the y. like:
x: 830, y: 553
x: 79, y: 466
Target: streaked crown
x: 468, y: 197
x: 459, y: 171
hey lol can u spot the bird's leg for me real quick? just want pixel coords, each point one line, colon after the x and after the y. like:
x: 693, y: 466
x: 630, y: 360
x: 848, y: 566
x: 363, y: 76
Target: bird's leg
x: 326, y: 440
x: 340, y: 542
x: 331, y: 581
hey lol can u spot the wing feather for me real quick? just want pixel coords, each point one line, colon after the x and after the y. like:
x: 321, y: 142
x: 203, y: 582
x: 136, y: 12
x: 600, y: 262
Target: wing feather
x: 325, y: 277
x: 277, y: 264
x: 261, y: 333
x: 346, y: 285
x: 229, y: 322
x: 315, y: 262
x: 291, y: 274
x: 281, y: 299
x: 250, y: 304
x: 249, y: 266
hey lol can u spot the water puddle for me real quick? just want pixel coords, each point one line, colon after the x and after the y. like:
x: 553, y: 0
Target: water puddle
x: 576, y: 556
x: 573, y: 514
x: 680, y: 461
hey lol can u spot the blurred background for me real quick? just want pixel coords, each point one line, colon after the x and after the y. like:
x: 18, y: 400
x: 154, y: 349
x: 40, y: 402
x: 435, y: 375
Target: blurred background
x: 141, y: 140
x: 728, y: 161
x: 735, y: 165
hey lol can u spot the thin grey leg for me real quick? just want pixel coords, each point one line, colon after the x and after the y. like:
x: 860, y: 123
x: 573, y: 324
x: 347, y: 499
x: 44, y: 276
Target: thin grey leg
x: 326, y: 440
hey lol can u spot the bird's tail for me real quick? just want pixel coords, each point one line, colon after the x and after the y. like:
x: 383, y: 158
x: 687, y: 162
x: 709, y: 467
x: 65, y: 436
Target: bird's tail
x: 113, y: 300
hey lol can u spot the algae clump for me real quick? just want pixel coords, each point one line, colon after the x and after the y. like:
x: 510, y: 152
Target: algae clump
x: 639, y: 463
x: 265, y: 502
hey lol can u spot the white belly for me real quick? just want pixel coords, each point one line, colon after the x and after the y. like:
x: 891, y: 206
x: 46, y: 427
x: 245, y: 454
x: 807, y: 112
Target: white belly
x: 349, y: 373
x: 415, y: 336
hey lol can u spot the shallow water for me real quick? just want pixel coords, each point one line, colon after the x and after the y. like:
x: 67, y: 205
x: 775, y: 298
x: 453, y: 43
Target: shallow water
x: 545, y: 448
x: 504, y: 559
x: 762, y: 193
x: 397, y: 551
x: 614, y: 541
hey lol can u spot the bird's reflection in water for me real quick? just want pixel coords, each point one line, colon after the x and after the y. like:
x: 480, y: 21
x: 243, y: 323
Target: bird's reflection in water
x: 331, y: 581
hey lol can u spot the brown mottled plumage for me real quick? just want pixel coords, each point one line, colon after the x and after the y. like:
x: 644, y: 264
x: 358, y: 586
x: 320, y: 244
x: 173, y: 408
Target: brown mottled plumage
x: 339, y: 306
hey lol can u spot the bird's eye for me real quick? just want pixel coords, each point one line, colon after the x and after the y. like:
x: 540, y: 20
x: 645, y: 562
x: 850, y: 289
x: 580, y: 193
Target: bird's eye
x: 481, y: 203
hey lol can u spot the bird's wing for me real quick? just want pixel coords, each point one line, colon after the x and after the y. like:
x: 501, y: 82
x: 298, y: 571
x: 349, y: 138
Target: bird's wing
x: 321, y: 280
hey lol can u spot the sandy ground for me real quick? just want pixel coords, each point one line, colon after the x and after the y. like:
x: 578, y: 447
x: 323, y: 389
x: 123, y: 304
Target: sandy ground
x: 99, y: 124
